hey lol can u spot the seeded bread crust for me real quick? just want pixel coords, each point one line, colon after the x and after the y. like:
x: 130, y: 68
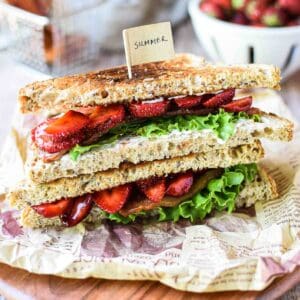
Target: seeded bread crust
x: 142, y: 149
x: 186, y: 74
x: 71, y: 187
x: 263, y: 188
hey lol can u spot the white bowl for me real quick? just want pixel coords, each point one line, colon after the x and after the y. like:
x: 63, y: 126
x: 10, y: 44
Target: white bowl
x: 237, y: 44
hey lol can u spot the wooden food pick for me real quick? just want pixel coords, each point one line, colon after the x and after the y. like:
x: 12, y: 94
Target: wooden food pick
x: 148, y: 43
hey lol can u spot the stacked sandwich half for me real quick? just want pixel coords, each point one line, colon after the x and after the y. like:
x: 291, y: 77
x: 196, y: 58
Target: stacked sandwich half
x: 175, y: 142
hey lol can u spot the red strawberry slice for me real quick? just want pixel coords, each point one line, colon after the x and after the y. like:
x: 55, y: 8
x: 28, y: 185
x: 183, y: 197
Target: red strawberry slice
x: 242, y: 104
x: 220, y: 99
x: 180, y: 185
x: 68, y: 124
x: 112, y: 200
x: 57, y: 146
x: 62, y: 133
x: 188, y: 102
x: 153, y: 188
x: 148, y: 109
x: 53, y: 209
x: 79, y: 209
x: 103, y: 118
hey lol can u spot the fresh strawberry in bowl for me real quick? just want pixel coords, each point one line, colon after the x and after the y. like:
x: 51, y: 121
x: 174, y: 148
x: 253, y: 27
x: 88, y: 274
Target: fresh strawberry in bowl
x: 249, y: 31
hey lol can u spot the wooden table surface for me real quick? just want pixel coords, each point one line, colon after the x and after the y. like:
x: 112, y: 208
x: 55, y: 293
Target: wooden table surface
x: 19, y: 284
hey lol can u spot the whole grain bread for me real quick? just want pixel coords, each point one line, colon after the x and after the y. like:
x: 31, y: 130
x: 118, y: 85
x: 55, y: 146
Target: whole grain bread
x: 263, y: 188
x: 136, y: 150
x: 71, y: 187
x: 186, y: 74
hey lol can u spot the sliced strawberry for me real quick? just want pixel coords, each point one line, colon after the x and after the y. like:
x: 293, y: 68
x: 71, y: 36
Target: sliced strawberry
x: 188, y: 102
x: 57, y: 146
x: 103, y: 118
x: 62, y: 133
x: 153, y: 188
x: 112, y: 200
x: 180, y: 184
x: 220, y: 99
x: 148, y: 109
x: 206, y: 97
x: 68, y: 124
x: 242, y: 104
x: 53, y: 209
x: 79, y: 209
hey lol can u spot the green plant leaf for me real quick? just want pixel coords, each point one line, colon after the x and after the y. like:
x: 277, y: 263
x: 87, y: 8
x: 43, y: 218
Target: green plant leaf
x: 220, y: 194
x: 222, y: 124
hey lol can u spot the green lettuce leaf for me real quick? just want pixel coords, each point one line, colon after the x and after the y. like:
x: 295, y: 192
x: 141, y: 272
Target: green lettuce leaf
x: 76, y: 151
x: 125, y: 220
x: 220, y: 195
x: 222, y: 124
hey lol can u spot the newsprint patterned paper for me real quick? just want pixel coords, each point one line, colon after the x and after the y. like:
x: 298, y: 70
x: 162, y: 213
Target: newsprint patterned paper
x: 242, y: 251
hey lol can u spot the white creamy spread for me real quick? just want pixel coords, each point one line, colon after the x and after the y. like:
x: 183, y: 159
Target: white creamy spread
x: 248, y: 126
x: 154, y: 100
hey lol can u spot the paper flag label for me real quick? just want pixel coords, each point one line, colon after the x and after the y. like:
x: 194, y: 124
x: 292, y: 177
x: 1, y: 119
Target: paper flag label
x: 148, y: 43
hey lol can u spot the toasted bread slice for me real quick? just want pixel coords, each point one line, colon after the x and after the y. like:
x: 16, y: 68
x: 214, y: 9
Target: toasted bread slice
x: 72, y: 187
x: 263, y: 188
x: 184, y: 75
x: 136, y: 150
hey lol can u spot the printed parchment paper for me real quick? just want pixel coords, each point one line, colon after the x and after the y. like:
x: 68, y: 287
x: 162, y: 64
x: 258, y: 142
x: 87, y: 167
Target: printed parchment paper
x: 226, y: 252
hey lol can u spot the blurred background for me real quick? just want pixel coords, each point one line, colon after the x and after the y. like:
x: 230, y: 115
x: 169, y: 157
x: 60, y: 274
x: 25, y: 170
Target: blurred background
x: 44, y: 38
x: 59, y: 37
x: 64, y: 36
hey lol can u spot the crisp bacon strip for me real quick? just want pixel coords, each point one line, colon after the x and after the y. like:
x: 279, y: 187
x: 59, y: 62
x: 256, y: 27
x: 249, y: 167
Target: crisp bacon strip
x: 126, y: 199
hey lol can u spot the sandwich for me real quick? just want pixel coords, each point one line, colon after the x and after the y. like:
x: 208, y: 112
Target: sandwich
x: 176, y: 141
